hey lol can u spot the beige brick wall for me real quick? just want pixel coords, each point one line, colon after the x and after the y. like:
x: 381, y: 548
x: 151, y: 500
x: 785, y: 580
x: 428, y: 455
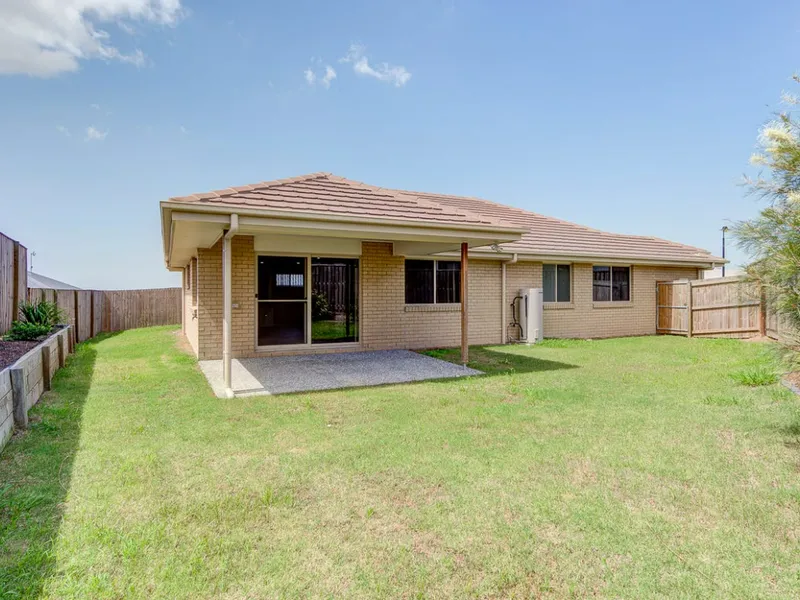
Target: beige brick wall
x: 386, y: 322
x: 583, y: 318
x: 209, y: 289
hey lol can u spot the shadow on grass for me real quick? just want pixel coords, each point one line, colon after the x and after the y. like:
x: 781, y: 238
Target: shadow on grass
x: 35, y: 474
x: 497, y: 362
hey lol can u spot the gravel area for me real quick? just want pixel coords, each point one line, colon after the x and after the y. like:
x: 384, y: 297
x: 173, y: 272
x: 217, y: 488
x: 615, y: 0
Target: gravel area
x: 11, y: 351
x: 287, y: 374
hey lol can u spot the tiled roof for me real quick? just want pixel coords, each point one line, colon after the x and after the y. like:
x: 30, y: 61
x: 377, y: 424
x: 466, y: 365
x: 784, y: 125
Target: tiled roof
x: 547, y: 236
x: 329, y: 195
x: 326, y: 194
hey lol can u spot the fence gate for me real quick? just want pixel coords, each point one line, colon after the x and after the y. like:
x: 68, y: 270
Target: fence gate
x: 725, y: 307
x: 672, y: 307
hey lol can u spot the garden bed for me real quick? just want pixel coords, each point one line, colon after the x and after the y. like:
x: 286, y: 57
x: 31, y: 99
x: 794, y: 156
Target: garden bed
x: 36, y: 362
x: 10, y: 352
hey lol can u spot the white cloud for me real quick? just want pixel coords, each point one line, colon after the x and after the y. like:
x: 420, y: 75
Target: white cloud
x: 184, y: 130
x: 43, y: 38
x: 63, y: 130
x: 324, y: 79
x: 95, y: 106
x: 330, y: 75
x: 126, y: 28
x: 95, y: 135
x: 394, y: 74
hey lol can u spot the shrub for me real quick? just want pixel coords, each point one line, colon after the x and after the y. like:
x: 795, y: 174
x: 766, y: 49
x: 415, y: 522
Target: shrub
x: 24, y: 331
x: 41, y: 313
x: 755, y: 376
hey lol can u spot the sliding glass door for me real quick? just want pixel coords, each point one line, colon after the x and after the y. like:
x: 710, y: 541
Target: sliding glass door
x: 334, y: 300
x: 282, y: 301
x: 303, y: 300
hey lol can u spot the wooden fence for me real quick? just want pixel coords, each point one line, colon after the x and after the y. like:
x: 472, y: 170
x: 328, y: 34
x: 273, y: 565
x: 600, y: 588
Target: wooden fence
x: 93, y: 311
x: 13, y: 279
x: 727, y: 307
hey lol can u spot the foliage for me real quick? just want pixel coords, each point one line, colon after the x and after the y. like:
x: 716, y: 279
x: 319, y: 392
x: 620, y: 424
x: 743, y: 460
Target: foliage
x: 41, y: 312
x: 755, y: 376
x: 773, y: 237
x: 320, y: 307
x: 25, y: 331
x: 587, y: 469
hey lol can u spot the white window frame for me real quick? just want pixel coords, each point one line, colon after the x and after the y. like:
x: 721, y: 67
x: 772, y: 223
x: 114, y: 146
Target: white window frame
x: 571, y: 283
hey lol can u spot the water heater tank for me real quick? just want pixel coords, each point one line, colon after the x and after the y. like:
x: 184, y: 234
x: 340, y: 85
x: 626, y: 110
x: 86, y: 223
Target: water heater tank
x: 531, y: 317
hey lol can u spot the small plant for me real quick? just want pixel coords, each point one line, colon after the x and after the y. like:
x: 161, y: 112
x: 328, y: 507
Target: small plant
x: 720, y: 400
x: 755, y: 376
x: 41, y: 313
x: 22, y: 331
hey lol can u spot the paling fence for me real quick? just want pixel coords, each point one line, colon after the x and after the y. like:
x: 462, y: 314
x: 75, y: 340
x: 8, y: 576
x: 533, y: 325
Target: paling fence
x: 88, y: 311
x: 725, y: 307
x: 94, y: 311
x: 13, y: 279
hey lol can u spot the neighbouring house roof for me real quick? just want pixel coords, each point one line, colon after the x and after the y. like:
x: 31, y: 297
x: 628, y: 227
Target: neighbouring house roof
x: 328, y: 197
x: 547, y: 236
x: 40, y: 281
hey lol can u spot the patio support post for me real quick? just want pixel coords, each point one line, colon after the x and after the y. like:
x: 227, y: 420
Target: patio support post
x: 227, y: 306
x: 464, y: 303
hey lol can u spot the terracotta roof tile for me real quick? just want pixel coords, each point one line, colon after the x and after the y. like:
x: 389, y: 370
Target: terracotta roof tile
x: 327, y: 194
x: 548, y: 236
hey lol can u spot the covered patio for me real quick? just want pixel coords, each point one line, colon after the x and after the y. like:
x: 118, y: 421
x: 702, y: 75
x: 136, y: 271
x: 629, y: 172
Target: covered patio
x: 314, y: 372
x: 270, y: 256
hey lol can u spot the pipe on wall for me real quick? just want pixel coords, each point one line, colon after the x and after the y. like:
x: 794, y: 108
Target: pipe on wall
x: 504, y: 295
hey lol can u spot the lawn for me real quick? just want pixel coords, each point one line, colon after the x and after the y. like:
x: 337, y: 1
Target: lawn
x: 630, y: 468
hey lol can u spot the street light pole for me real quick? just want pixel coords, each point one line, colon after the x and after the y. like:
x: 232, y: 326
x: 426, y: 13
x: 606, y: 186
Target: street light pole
x: 724, y: 230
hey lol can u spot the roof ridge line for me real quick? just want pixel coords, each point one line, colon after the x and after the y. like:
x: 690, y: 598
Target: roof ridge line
x: 558, y: 220
x: 402, y: 194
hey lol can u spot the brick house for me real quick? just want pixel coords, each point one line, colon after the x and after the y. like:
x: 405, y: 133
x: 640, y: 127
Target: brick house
x: 320, y: 263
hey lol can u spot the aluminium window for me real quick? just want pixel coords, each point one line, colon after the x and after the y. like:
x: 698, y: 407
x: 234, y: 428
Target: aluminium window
x: 433, y: 282
x: 611, y: 284
x: 556, y: 281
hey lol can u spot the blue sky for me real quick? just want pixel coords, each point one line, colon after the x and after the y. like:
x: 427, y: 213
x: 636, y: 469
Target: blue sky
x: 633, y: 117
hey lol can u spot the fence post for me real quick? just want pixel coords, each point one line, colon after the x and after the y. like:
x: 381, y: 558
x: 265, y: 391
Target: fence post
x: 689, y: 309
x: 46, y: 368
x: 18, y: 397
x: 77, y: 310
x: 762, y: 314
x: 15, y: 299
x: 61, y: 358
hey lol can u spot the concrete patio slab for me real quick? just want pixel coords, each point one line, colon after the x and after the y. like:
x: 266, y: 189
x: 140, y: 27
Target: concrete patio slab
x: 288, y: 374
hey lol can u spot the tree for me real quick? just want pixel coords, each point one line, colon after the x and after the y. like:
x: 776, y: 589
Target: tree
x: 772, y: 239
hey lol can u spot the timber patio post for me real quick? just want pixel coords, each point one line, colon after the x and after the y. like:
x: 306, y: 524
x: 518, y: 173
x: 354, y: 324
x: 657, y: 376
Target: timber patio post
x: 464, y: 303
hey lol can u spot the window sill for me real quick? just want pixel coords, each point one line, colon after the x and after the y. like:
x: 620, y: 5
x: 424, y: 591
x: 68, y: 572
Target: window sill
x: 432, y: 307
x: 559, y: 306
x: 610, y: 304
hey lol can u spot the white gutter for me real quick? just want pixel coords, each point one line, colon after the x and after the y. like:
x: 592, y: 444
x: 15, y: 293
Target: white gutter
x: 227, y: 306
x: 504, y: 296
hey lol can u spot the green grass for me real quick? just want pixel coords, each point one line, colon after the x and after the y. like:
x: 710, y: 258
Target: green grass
x: 332, y: 330
x: 630, y: 468
x: 756, y: 375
